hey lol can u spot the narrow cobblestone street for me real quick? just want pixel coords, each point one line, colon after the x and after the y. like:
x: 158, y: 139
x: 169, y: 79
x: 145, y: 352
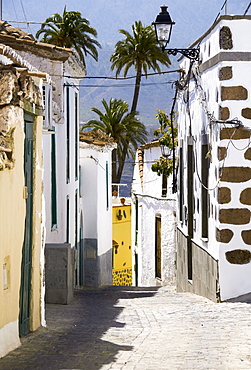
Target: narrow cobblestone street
x: 138, y: 328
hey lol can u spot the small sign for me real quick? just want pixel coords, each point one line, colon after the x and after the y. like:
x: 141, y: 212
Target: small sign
x: 5, y: 279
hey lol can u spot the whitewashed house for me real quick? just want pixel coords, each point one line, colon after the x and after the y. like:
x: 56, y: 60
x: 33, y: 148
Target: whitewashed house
x: 153, y: 221
x: 94, y: 259
x: 22, y: 224
x: 214, y: 230
x: 61, y: 152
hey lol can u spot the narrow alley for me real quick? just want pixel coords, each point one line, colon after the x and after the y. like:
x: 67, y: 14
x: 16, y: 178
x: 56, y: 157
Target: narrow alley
x: 138, y: 328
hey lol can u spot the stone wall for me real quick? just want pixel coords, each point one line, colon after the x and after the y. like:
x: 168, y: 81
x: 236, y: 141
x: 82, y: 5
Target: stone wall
x: 91, y: 268
x: 204, y: 270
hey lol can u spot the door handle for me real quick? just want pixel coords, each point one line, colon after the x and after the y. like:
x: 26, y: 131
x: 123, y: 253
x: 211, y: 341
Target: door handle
x: 25, y: 192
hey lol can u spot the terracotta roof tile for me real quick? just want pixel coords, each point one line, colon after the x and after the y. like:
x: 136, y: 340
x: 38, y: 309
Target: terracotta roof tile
x: 96, y: 138
x: 8, y: 30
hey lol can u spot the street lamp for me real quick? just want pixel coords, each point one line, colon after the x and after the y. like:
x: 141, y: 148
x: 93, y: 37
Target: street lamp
x: 163, y: 27
x: 165, y: 151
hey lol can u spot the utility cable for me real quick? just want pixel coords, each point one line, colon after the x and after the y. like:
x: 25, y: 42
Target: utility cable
x: 231, y: 140
x: 221, y: 168
x: 122, y: 78
x: 22, y: 5
x: 14, y: 10
x: 225, y: 2
x: 122, y: 85
x: 247, y: 9
x: 152, y: 197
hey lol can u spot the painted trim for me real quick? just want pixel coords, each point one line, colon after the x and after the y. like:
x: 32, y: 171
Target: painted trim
x: 225, y: 56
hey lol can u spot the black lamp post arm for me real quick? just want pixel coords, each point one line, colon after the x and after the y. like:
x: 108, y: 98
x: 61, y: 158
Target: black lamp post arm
x: 192, y: 54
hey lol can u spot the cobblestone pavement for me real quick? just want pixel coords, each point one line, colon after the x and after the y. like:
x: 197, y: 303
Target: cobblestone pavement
x: 138, y: 328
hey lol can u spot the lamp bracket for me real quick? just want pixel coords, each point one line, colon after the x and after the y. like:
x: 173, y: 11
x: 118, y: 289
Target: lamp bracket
x: 192, y: 54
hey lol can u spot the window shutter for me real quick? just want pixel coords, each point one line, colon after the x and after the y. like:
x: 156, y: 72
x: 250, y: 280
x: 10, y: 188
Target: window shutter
x: 47, y: 101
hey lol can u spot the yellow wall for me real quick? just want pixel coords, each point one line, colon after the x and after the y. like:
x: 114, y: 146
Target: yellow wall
x: 122, y: 254
x: 12, y: 211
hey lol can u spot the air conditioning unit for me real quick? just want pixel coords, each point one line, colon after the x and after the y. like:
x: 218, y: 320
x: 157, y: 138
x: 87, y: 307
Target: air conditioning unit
x: 47, y: 101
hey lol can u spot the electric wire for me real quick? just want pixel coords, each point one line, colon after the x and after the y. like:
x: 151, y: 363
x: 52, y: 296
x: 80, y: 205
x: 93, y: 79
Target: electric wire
x: 212, y: 121
x: 22, y: 5
x: 221, y: 168
x: 247, y: 9
x: 123, y: 78
x: 239, y: 149
x: 124, y: 85
x: 152, y: 197
x: 225, y: 2
x: 14, y: 10
x: 98, y: 164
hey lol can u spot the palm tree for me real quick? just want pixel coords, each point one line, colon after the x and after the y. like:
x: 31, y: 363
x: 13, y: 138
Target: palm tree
x: 126, y: 130
x: 141, y: 51
x: 71, y: 31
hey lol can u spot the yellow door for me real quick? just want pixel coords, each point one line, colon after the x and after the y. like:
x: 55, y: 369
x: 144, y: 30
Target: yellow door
x: 122, y: 245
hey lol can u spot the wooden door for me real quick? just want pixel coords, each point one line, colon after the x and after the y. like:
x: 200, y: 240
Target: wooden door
x: 25, y: 287
x: 158, y: 247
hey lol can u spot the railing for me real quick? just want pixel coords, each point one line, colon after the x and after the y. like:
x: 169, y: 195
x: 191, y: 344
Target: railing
x: 116, y: 189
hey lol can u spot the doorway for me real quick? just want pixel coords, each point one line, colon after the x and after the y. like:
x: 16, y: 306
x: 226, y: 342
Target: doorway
x: 25, y: 287
x: 158, y: 247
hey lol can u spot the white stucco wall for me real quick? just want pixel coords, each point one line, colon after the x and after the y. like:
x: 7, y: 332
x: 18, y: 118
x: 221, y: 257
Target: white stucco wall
x: 97, y: 217
x: 89, y: 191
x: 234, y: 278
x: 65, y: 189
x: 150, y: 204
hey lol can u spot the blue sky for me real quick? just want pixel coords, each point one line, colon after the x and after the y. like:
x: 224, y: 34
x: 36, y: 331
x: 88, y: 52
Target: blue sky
x: 107, y: 16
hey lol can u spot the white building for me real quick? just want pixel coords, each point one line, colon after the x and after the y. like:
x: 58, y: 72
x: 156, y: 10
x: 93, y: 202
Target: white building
x: 61, y: 152
x: 153, y: 221
x: 214, y: 235
x: 22, y: 306
x: 94, y: 259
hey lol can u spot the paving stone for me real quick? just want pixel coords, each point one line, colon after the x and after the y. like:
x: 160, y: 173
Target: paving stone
x: 125, y: 328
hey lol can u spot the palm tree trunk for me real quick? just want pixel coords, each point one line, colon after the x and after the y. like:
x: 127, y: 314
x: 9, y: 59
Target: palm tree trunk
x: 136, y: 90
x: 121, y: 165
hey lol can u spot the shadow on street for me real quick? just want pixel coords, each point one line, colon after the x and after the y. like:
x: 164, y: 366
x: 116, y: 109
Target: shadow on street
x: 73, y: 336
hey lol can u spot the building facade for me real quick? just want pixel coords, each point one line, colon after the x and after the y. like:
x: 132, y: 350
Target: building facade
x: 21, y: 199
x: 214, y: 248
x: 60, y: 155
x: 153, y: 221
x: 94, y: 256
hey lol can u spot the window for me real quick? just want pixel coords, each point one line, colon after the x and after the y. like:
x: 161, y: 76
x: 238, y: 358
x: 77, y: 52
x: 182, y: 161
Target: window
x: 164, y: 185
x: 67, y: 220
x: 190, y: 206
x: 107, y: 185
x: 136, y: 221
x: 204, y: 191
x: 76, y: 135
x: 67, y: 134
x: 181, y: 183
x: 158, y: 246
x: 76, y: 219
x: 47, y: 102
x: 53, y: 182
x: 80, y: 181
